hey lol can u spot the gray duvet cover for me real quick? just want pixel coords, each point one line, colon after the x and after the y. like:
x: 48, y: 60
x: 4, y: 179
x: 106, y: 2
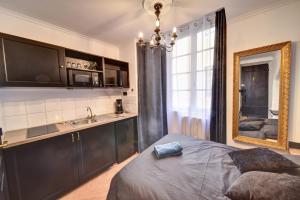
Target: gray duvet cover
x: 204, y: 171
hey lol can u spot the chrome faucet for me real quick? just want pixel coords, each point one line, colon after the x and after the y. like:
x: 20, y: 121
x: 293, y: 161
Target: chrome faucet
x: 90, y: 115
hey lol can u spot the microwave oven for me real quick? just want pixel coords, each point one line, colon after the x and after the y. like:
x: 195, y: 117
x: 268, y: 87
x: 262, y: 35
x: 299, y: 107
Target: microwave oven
x: 83, y: 78
x: 115, y: 77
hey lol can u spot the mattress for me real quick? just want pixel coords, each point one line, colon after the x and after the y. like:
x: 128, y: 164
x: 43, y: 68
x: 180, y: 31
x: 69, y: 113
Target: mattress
x: 204, y: 171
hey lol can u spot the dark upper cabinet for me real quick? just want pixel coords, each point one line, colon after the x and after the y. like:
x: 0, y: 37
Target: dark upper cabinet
x: 97, y: 150
x: 125, y: 135
x: 30, y: 63
x: 42, y: 169
x: 116, y: 73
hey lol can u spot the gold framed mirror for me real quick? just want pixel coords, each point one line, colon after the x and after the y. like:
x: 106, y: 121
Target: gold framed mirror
x: 261, y: 83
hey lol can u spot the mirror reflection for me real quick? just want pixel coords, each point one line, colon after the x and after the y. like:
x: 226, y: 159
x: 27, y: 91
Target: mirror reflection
x: 259, y: 95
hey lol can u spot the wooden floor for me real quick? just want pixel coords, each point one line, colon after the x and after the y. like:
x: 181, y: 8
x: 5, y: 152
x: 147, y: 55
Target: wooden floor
x: 97, y: 188
x: 294, y: 151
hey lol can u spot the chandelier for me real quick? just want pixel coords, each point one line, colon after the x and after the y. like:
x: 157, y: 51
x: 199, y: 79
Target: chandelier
x: 158, y: 39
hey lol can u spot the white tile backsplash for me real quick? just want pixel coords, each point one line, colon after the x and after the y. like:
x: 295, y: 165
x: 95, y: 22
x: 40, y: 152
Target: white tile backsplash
x: 80, y: 112
x: 35, y: 106
x: 2, y: 125
x: 68, y: 114
x: 67, y: 104
x: 14, y: 108
x: 54, y: 116
x: 29, y: 107
x: 52, y: 104
x: 80, y: 102
x: 36, y: 119
x: 15, y: 122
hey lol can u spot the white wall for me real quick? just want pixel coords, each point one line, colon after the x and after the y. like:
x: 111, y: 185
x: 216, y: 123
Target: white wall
x: 27, y: 107
x: 24, y: 26
x: 128, y: 53
x: 260, y: 29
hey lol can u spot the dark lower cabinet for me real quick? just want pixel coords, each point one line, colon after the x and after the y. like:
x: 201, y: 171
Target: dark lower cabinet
x: 41, y: 170
x: 97, y: 150
x: 3, y: 180
x: 125, y: 134
x: 46, y: 169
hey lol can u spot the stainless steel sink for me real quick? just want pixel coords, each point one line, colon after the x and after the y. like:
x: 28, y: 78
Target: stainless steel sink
x: 83, y: 121
x: 108, y: 117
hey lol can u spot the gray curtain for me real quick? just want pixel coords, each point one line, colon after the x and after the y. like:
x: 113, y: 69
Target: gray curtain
x: 218, y: 106
x: 152, y: 80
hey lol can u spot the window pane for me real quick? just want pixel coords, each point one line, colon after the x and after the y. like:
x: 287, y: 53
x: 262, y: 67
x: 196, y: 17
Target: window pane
x: 184, y: 99
x: 204, y: 80
x: 208, y: 79
x: 174, y: 66
x: 212, y: 37
x: 205, y: 39
x: 182, y: 46
x: 201, y: 80
x: 204, y: 100
x: 184, y: 81
x: 199, y: 41
x: 211, y: 57
x: 174, y: 82
x: 183, y: 64
x: 208, y: 38
x: 175, y: 99
x: 205, y: 59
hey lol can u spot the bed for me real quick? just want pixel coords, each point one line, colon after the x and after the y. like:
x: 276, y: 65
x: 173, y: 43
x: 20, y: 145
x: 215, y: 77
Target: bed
x: 259, y: 128
x: 204, y: 171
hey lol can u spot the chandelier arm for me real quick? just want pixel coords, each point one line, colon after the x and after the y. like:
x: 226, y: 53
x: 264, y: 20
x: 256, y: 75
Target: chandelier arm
x: 158, y: 39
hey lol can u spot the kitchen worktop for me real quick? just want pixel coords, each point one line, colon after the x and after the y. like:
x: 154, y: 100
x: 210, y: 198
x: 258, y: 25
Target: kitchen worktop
x: 19, y: 137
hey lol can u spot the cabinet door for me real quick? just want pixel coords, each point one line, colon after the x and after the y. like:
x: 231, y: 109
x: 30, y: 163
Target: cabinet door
x: 42, y: 169
x: 125, y: 131
x: 3, y: 180
x: 31, y: 63
x: 97, y: 150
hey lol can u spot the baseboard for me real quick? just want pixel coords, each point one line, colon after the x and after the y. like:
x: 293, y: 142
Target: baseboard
x: 294, y: 145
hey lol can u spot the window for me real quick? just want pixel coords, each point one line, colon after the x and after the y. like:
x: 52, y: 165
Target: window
x: 181, y: 73
x: 192, y: 65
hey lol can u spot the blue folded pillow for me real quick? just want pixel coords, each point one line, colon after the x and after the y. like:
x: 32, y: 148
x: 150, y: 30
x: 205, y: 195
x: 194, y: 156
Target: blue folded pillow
x: 166, y: 150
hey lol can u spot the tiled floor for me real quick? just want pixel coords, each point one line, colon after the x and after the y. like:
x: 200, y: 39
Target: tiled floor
x: 97, y: 188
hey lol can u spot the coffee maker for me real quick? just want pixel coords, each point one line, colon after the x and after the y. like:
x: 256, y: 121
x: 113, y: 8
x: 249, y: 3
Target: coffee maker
x: 119, y: 106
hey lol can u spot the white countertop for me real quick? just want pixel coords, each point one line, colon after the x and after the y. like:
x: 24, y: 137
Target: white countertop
x: 18, y: 137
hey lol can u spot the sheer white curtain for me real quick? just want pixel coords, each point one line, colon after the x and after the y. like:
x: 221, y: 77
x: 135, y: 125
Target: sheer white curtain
x: 189, y: 73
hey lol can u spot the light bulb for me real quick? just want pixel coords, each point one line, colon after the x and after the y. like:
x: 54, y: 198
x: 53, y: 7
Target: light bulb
x: 174, y: 30
x: 152, y: 42
x: 157, y: 23
x: 141, y: 35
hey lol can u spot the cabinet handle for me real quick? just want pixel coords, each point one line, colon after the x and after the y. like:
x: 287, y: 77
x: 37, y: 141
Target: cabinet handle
x: 61, y: 66
x: 73, y: 139
x: 78, y: 136
x: 2, y: 182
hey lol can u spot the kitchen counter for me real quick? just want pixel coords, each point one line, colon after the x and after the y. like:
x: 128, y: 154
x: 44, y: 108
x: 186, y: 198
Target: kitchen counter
x: 18, y: 137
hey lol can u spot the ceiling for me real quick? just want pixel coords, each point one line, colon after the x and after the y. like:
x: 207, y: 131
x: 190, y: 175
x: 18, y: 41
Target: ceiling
x: 116, y: 21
